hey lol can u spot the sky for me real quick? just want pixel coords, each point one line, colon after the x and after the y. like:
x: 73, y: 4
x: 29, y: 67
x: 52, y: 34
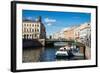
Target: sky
x: 57, y: 21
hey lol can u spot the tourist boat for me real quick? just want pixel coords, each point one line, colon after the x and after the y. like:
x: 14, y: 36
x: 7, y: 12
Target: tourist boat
x: 62, y: 53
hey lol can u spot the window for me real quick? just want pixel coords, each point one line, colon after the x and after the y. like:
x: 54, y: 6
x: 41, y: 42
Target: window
x: 27, y: 30
x: 24, y: 36
x: 30, y: 36
x: 27, y: 25
x: 32, y: 30
x: 35, y: 35
x: 33, y: 25
x: 35, y: 30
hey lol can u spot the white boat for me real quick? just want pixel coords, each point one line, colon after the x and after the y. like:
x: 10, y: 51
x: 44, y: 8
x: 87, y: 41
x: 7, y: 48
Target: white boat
x: 62, y: 52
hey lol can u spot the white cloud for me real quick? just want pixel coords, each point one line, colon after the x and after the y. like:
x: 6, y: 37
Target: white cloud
x: 64, y: 29
x: 49, y: 22
x: 29, y: 18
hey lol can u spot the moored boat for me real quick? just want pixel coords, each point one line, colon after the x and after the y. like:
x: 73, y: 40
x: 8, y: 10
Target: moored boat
x: 62, y: 53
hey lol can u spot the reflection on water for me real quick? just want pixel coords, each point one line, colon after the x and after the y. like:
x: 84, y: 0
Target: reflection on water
x: 48, y: 54
x: 43, y: 54
x: 31, y: 54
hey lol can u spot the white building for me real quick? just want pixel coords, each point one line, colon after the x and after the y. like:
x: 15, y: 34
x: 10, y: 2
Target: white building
x: 83, y: 33
x: 33, y: 29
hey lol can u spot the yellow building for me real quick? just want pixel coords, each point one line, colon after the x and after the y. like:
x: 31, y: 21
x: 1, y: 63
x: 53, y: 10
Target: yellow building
x: 78, y: 33
x: 69, y: 33
x: 33, y: 29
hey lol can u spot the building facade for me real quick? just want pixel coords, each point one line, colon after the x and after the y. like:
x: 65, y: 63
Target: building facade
x: 83, y: 34
x: 77, y: 33
x: 33, y: 29
x: 58, y: 35
x: 69, y: 33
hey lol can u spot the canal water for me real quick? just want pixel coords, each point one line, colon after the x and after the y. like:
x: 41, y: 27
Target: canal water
x: 48, y: 54
x: 43, y: 54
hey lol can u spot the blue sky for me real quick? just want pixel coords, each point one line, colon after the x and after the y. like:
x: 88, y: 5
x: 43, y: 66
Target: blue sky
x: 56, y: 21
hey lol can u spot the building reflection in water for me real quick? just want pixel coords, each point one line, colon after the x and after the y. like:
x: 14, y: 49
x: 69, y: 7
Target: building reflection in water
x: 43, y: 54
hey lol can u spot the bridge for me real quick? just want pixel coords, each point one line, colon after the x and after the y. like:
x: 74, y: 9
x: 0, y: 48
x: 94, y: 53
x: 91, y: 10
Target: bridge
x: 50, y: 42
x: 57, y: 40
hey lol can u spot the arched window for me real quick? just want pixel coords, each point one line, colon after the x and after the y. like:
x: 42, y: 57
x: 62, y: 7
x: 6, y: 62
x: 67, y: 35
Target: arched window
x: 27, y: 25
x: 35, y: 30
x: 35, y: 35
x: 27, y: 30
x: 24, y: 36
x: 33, y: 25
x: 32, y: 30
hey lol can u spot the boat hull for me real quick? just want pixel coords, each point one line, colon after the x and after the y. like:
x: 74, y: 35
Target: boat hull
x: 61, y: 56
